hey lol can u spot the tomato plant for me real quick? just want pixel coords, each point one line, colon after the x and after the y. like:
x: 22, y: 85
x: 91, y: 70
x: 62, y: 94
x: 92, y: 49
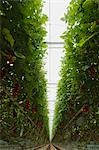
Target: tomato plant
x: 22, y: 77
x: 78, y: 88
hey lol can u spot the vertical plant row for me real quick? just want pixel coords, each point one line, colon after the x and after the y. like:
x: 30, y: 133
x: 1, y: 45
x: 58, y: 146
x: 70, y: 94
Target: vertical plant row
x: 77, y: 109
x: 23, y: 108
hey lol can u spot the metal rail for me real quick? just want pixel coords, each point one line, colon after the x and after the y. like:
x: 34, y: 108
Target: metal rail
x: 74, y: 117
x: 55, y: 43
x: 40, y: 147
x: 56, y: 147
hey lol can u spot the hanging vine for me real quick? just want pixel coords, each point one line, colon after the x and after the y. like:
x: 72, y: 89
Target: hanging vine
x: 24, y: 113
x: 76, y: 111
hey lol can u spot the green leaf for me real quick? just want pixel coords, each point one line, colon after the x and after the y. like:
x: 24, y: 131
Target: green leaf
x: 1, y: 13
x: 93, y: 26
x: 21, y: 132
x: 88, y: 4
x: 84, y: 40
x: 8, y: 36
x: 19, y: 55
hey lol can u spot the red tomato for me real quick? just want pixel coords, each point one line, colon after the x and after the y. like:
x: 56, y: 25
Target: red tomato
x: 92, y: 71
x: 16, y: 90
x: 28, y: 104
x: 34, y: 109
x: 85, y: 108
x: 39, y: 124
x: 10, y: 59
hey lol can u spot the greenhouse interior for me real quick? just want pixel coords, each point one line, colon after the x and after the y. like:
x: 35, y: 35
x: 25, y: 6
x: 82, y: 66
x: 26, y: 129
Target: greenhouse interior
x: 49, y: 75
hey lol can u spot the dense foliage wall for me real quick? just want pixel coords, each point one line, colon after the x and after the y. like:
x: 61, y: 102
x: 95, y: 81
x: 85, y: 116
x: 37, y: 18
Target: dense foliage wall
x: 24, y: 113
x: 77, y: 109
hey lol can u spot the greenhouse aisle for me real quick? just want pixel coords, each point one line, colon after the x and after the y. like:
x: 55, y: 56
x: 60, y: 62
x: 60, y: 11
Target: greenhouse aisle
x: 55, y: 28
x: 49, y: 85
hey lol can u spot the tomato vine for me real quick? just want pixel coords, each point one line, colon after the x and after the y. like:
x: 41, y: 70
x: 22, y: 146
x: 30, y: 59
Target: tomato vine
x: 24, y: 113
x: 76, y: 112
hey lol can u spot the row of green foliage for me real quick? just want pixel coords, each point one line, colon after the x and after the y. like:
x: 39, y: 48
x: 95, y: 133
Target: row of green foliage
x: 77, y: 112
x: 24, y: 113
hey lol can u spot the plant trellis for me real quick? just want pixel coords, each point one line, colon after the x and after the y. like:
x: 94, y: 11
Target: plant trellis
x: 23, y: 109
x: 77, y: 109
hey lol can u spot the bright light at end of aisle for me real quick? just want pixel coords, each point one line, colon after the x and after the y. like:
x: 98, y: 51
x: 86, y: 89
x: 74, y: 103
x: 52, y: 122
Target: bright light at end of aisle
x: 54, y: 9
